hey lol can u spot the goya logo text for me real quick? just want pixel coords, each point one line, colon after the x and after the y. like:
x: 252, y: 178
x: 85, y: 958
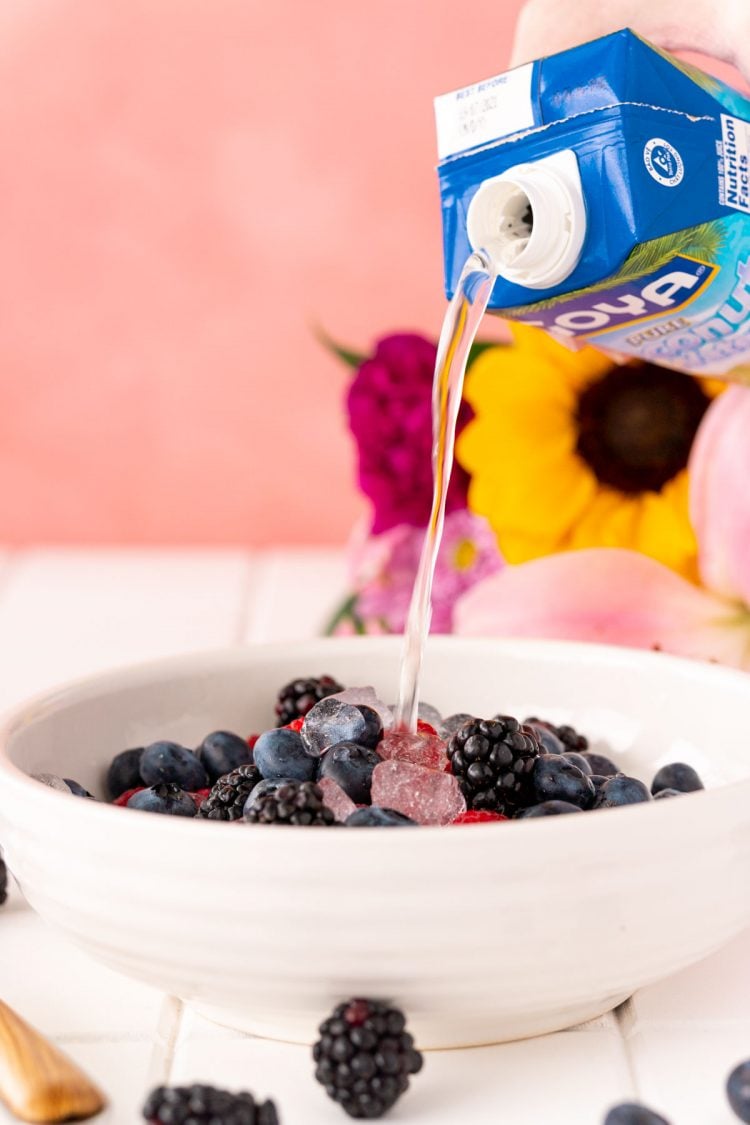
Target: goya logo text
x: 669, y: 288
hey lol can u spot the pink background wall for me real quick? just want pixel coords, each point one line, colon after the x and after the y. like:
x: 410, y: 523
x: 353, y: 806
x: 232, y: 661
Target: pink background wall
x: 188, y: 188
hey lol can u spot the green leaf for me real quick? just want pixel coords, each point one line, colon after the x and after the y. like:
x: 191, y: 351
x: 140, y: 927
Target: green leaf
x: 346, y: 355
x: 347, y: 611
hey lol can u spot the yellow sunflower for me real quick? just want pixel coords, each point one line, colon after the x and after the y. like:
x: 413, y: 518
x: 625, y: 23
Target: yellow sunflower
x: 570, y: 449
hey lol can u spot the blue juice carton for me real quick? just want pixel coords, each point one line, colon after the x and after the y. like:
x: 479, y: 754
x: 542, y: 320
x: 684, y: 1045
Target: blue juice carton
x: 610, y: 183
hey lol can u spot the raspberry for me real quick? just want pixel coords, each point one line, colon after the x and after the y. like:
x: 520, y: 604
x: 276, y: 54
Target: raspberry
x: 478, y: 816
x: 494, y: 760
x: 252, y: 739
x: 365, y: 1056
x: 296, y: 724
x: 425, y: 728
x: 300, y: 696
x: 199, y: 796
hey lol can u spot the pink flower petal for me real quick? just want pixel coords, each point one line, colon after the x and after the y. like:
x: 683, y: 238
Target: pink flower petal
x: 720, y: 494
x: 609, y: 596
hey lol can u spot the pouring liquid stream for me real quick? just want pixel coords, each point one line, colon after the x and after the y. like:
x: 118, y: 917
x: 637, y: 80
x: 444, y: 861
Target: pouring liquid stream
x: 462, y: 320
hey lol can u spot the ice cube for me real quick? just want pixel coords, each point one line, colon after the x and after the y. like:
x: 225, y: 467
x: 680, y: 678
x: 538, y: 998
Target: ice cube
x: 427, y: 796
x: 452, y: 723
x: 369, y: 698
x: 420, y: 749
x: 339, y: 802
x: 329, y: 722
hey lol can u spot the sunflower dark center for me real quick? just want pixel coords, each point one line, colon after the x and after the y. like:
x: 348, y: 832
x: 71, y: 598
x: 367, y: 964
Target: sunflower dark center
x: 636, y: 426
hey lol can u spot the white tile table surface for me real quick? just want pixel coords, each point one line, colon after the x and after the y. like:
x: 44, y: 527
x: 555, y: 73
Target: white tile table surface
x: 66, y: 613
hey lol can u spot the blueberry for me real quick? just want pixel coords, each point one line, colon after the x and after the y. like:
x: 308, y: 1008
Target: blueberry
x: 598, y: 780
x: 629, y: 1113
x: 168, y: 761
x: 166, y: 797
x: 579, y: 760
x: 221, y: 752
x: 281, y: 753
x: 738, y: 1090
x: 78, y: 790
x: 546, y: 738
x: 375, y: 817
x: 124, y: 772
x: 599, y: 763
x: 621, y: 790
x: 557, y: 779
x: 329, y: 722
x: 676, y: 776
x: 668, y: 793
x: 374, y: 728
x: 351, y: 766
x: 549, y: 808
x: 268, y: 786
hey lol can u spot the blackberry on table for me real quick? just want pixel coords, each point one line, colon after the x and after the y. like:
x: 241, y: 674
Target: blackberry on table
x: 227, y: 798
x: 193, y: 1105
x: 493, y: 760
x: 300, y: 696
x: 3, y: 882
x: 364, y: 1057
x: 568, y: 735
x: 297, y: 803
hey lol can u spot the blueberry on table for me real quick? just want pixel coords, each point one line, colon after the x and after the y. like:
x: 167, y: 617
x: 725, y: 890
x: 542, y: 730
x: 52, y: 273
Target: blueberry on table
x: 549, y: 808
x: 621, y: 790
x: 350, y: 766
x: 167, y: 1105
x: 124, y: 772
x: 677, y: 775
x: 282, y: 753
x: 168, y: 761
x: 376, y: 817
x: 558, y: 779
x: 631, y: 1113
x: 738, y: 1090
x: 166, y: 797
x: 221, y: 752
x: 365, y: 1057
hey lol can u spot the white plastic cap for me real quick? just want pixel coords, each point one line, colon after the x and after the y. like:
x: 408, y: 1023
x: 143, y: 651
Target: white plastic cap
x: 531, y: 220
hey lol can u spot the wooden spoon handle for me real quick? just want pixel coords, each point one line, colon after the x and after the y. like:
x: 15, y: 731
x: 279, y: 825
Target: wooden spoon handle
x: 37, y: 1081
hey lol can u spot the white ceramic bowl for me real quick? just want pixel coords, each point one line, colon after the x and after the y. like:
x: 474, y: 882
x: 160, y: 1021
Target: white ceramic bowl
x: 481, y: 933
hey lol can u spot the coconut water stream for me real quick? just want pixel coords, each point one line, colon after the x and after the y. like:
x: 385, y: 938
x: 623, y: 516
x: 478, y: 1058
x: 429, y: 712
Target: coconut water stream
x: 462, y: 319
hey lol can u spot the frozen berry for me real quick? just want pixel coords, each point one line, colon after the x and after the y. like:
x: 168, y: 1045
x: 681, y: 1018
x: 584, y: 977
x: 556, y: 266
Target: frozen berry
x: 676, y: 775
x: 221, y: 752
x: 557, y: 779
x: 194, y: 1105
x: 124, y: 772
x: 568, y: 735
x: 546, y: 737
x: 351, y: 767
x: 298, y: 803
x: 168, y: 761
x: 166, y: 797
x: 549, y: 808
x: 299, y: 696
x: 282, y: 753
x: 332, y: 721
x: 226, y: 801
x: 630, y: 1113
x: 578, y: 760
x: 738, y: 1090
x: 452, y: 723
x: 376, y: 817
x: 267, y: 786
x: 364, y: 1057
x: 599, y: 763
x: 621, y: 790
x: 493, y: 761
x: 478, y: 816
x: 373, y: 731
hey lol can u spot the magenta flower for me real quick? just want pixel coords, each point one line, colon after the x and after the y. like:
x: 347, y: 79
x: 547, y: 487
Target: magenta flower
x: 620, y: 597
x: 387, y: 564
x: 390, y: 414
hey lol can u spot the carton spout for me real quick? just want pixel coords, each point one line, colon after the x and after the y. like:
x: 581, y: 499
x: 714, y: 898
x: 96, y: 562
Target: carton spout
x: 531, y: 220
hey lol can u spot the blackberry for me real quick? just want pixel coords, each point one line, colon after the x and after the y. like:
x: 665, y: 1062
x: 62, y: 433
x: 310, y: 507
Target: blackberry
x: 364, y: 1057
x: 3, y: 882
x: 493, y: 760
x: 227, y: 798
x: 297, y: 802
x: 300, y: 696
x: 568, y: 735
x: 191, y: 1105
